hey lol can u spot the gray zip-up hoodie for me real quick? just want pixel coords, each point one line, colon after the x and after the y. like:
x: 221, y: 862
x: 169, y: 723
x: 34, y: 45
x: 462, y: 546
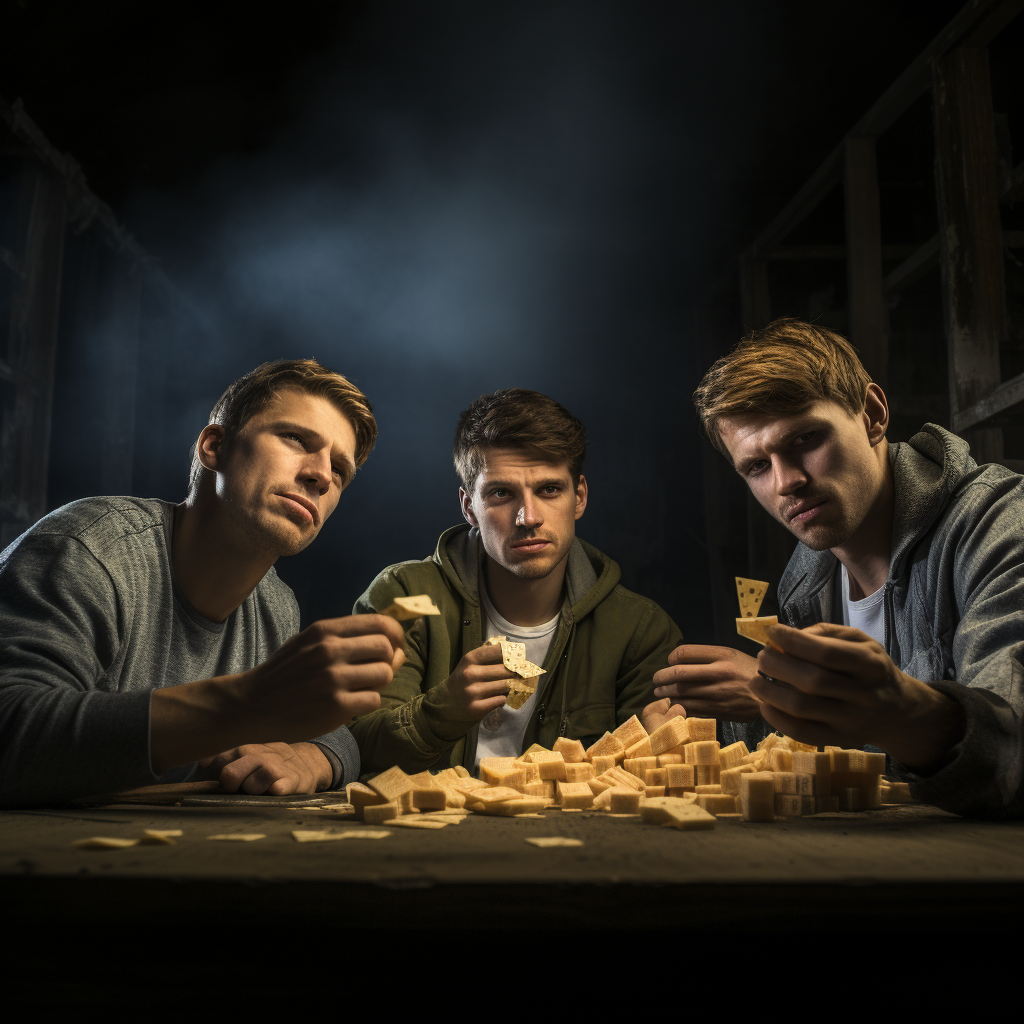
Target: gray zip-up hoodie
x: 954, y: 613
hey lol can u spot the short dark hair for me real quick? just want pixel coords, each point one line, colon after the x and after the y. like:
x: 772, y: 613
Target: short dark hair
x: 781, y: 369
x: 254, y: 391
x: 524, y: 420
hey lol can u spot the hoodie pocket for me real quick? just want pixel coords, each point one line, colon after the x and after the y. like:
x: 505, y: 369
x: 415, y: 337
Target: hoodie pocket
x: 593, y: 720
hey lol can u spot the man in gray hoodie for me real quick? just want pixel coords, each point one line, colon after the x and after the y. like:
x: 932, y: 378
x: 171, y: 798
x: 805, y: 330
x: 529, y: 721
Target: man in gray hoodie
x: 145, y: 642
x: 902, y: 608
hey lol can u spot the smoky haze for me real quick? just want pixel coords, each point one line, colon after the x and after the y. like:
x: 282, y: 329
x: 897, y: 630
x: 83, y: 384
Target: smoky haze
x: 483, y: 201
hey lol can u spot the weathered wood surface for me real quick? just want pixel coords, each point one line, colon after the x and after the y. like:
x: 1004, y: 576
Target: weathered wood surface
x: 906, y: 857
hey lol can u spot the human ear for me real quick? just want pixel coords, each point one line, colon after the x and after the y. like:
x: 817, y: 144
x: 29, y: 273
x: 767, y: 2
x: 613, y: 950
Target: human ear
x: 876, y: 414
x: 210, y: 446
x: 581, y: 496
x: 466, y: 502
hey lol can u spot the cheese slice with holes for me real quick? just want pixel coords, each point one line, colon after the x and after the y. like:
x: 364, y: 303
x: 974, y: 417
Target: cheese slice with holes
x: 754, y: 629
x: 751, y: 594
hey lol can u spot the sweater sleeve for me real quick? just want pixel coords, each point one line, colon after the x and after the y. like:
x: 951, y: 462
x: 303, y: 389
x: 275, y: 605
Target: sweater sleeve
x: 983, y: 776
x: 655, y: 638
x: 410, y: 729
x: 61, y: 734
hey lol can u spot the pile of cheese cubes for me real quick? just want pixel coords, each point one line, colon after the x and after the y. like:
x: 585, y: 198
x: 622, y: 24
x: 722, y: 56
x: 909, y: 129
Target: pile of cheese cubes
x: 678, y: 775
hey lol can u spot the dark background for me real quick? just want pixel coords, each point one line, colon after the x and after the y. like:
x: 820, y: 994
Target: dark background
x: 442, y: 199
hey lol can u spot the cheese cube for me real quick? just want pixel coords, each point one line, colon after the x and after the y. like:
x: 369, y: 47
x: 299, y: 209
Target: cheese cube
x: 702, y: 729
x: 713, y: 788
x: 808, y: 805
x: 732, y: 755
x: 377, y: 814
x: 360, y: 796
x: 550, y: 765
x: 717, y: 803
x: 571, y: 750
x: 391, y: 784
x: 642, y: 748
x: 650, y: 791
x: 788, y: 805
x: 574, y: 794
x: 899, y: 793
x: 624, y: 801
x: 603, y: 762
x: 639, y: 765
x: 679, y: 775
x: 631, y: 731
x: 432, y: 799
x: 578, y: 771
x: 626, y: 778
x: 669, y: 735
x: 781, y: 760
x: 785, y: 782
x: 656, y: 777
x: 607, y: 746
x: 664, y: 760
x: 757, y: 796
x: 705, y: 774
x: 702, y: 752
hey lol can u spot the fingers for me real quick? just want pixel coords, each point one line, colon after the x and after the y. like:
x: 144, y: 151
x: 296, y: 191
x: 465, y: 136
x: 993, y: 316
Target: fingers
x: 811, y: 678
x: 488, y: 654
x: 698, y: 654
x: 482, y: 708
x: 351, y: 626
x: 796, y: 702
x: 827, y: 649
x: 268, y: 768
x: 659, y: 707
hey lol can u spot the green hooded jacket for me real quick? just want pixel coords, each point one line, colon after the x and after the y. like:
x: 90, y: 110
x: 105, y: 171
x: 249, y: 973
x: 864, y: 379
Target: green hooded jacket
x: 608, y: 645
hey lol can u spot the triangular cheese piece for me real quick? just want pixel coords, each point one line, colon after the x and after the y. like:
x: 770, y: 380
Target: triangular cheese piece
x: 751, y: 594
x: 754, y: 629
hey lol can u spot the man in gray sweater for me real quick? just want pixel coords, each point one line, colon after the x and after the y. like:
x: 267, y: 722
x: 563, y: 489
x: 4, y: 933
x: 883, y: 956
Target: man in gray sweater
x: 905, y: 596
x: 145, y: 642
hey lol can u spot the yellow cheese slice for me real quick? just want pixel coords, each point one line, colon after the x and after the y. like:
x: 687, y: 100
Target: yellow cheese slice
x: 403, y: 608
x: 754, y: 629
x: 751, y: 594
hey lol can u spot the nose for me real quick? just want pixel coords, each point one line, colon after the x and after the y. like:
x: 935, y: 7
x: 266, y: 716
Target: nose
x: 789, y: 476
x: 316, y: 471
x: 529, y: 514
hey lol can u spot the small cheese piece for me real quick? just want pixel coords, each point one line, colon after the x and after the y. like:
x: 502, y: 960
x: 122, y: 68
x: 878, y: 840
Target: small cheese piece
x: 671, y: 734
x: 578, y: 771
x: 730, y: 780
x: 631, y: 731
x: 705, y: 774
x: 105, y: 843
x: 680, y: 814
x: 651, y: 791
x: 495, y: 795
x: 680, y: 776
x: 757, y: 796
x: 624, y: 801
x: 788, y: 805
x: 416, y: 822
x: 751, y: 594
x: 781, y: 760
x: 603, y: 762
x: 572, y: 751
x: 237, y: 837
x: 377, y: 814
x: 702, y: 752
x: 756, y: 629
x: 550, y: 841
x: 607, y: 746
x: 642, y: 748
x: 574, y: 795
x: 391, y: 784
x: 732, y: 755
x: 702, y: 729
x: 717, y: 803
x: 361, y: 797
x: 550, y: 766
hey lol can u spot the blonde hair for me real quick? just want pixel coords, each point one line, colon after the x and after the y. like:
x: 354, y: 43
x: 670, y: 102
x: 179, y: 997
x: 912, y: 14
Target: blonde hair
x: 781, y: 369
x: 254, y: 391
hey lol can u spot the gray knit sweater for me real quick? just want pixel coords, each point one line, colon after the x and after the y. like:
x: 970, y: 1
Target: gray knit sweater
x: 91, y: 623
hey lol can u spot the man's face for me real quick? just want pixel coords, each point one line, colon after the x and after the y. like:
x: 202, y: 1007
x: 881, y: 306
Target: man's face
x: 526, y: 511
x: 816, y: 471
x: 280, y: 477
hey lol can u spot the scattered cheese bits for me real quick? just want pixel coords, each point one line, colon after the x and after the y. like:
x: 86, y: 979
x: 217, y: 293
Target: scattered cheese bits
x: 104, y: 843
x: 237, y: 837
x: 416, y: 822
x: 545, y: 841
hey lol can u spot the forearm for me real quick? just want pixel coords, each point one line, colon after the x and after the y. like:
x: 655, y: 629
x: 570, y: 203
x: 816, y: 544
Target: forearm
x: 341, y: 752
x: 930, y: 728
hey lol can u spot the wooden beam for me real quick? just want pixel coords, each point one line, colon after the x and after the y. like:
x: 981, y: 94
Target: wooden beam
x: 1005, y: 398
x: 970, y: 234
x: 980, y: 20
x: 865, y: 299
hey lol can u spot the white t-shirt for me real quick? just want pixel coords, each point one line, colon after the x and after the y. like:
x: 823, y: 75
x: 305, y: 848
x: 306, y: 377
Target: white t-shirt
x: 867, y: 615
x: 501, y: 732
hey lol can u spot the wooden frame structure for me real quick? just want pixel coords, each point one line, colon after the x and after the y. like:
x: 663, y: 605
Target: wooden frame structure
x: 970, y: 186
x: 51, y: 217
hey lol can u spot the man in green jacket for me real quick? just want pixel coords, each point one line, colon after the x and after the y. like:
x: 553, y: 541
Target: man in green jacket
x: 514, y: 569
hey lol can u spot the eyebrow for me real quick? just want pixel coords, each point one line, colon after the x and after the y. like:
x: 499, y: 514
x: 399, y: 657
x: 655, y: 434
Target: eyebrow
x: 813, y: 423
x: 509, y: 486
x: 316, y: 438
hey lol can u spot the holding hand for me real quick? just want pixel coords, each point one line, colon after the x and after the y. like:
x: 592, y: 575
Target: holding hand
x: 274, y: 768
x: 710, y: 682
x: 479, y: 684
x: 834, y: 685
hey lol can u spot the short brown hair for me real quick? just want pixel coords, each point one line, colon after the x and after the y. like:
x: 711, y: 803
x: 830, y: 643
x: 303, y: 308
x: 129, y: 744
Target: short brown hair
x: 519, y: 419
x: 255, y: 390
x: 781, y: 369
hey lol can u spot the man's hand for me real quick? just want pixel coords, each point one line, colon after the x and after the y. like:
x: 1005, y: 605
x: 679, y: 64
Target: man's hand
x: 478, y: 685
x: 657, y: 714
x: 834, y: 685
x: 315, y: 682
x: 274, y: 768
x: 710, y: 682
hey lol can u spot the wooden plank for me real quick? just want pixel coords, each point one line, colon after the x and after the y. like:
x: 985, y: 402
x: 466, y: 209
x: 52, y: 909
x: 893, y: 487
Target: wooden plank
x: 865, y: 300
x: 970, y: 234
x: 1002, y: 400
x: 31, y: 350
x: 979, y: 19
